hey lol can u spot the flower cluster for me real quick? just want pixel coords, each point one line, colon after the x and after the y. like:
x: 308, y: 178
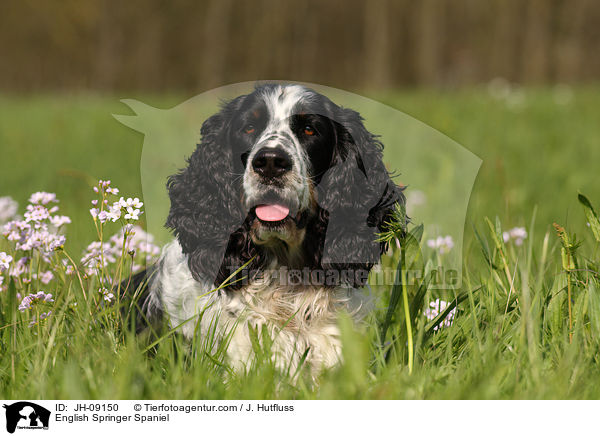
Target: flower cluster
x: 40, y: 228
x: 45, y: 277
x: 36, y: 257
x: 67, y: 267
x: 135, y: 241
x: 512, y: 95
x: 104, y: 211
x: 42, y: 317
x: 31, y: 300
x: 43, y: 198
x: 130, y: 240
x: 442, y: 244
x: 106, y: 294
x: 28, y: 301
x: 98, y: 255
x: 435, y: 308
x: 518, y: 234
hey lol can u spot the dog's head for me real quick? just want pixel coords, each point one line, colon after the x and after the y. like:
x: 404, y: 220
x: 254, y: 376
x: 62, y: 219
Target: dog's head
x: 283, y: 177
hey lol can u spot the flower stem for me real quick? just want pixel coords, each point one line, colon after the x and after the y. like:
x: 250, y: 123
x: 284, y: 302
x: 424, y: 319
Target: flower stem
x: 409, y: 333
x: 569, y: 306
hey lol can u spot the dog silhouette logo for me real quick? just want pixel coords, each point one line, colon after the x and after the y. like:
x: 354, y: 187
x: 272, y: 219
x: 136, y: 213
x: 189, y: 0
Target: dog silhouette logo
x: 439, y: 172
x: 26, y: 415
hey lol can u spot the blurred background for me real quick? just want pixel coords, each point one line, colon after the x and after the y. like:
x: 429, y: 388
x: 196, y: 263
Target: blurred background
x: 514, y: 82
x: 159, y: 45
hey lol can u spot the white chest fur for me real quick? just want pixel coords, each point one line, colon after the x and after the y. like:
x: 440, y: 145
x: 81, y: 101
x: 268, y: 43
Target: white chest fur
x: 297, y: 319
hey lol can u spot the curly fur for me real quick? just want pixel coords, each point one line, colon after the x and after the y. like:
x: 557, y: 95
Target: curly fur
x: 340, y: 197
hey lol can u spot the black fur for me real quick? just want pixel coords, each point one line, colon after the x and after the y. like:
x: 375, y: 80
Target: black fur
x: 359, y: 194
x: 355, y: 196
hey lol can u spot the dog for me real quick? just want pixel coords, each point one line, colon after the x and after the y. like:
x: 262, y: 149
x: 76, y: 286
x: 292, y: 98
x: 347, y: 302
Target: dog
x: 275, y: 220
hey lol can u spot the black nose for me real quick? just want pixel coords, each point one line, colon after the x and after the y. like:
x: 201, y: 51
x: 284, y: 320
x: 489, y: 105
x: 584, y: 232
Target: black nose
x: 271, y: 162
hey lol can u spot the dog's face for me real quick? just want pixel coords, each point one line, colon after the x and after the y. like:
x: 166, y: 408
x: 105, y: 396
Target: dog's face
x: 282, y: 174
x: 285, y: 142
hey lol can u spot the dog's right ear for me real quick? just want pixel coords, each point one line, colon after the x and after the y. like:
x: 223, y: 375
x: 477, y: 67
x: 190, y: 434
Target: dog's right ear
x: 204, y: 208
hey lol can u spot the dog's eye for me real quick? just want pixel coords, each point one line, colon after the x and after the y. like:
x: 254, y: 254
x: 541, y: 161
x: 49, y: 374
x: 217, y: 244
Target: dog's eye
x: 308, y: 130
x: 249, y: 128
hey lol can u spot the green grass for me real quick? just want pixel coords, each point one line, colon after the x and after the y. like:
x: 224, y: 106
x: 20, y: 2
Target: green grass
x: 512, y: 337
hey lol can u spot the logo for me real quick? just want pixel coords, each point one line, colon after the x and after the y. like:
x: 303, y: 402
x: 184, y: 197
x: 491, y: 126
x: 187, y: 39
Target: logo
x: 439, y: 172
x: 26, y: 415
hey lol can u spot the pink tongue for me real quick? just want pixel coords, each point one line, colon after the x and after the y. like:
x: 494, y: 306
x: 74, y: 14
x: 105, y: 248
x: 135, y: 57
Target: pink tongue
x: 271, y: 212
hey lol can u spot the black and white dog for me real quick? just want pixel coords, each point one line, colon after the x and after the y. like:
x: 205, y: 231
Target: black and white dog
x: 283, y: 200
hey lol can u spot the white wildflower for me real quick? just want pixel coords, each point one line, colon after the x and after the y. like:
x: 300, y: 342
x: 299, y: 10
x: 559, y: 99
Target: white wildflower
x: 45, y: 277
x: 5, y: 261
x: 36, y: 213
x: 435, y: 309
x: 114, y: 213
x: 59, y: 220
x: 43, y: 198
x: 443, y: 244
x: 132, y: 214
x: 106, y: 294
x: 517, y: 234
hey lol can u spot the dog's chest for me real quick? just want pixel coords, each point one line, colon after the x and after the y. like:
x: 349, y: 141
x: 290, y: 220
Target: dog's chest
x: 299, y: 320
x: 302, y: 324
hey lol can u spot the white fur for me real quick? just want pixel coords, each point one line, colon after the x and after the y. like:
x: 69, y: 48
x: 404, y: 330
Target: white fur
x: 280, y: 102
x: 297, y: 319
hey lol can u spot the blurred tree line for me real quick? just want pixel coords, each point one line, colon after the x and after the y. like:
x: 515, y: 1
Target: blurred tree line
x: 153, y: 45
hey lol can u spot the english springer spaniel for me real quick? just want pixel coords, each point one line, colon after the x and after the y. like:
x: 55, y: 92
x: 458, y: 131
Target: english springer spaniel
x: 276, y: 220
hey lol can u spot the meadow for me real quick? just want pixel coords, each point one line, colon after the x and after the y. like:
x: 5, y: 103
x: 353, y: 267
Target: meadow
x: 525, y: 323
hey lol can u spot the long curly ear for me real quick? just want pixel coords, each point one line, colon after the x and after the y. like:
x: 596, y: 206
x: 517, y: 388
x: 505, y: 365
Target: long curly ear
x: 205, y: 209
x: 359, y: 197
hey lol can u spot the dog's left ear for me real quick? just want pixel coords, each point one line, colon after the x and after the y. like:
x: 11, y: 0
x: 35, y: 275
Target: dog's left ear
x: 359, y: 197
